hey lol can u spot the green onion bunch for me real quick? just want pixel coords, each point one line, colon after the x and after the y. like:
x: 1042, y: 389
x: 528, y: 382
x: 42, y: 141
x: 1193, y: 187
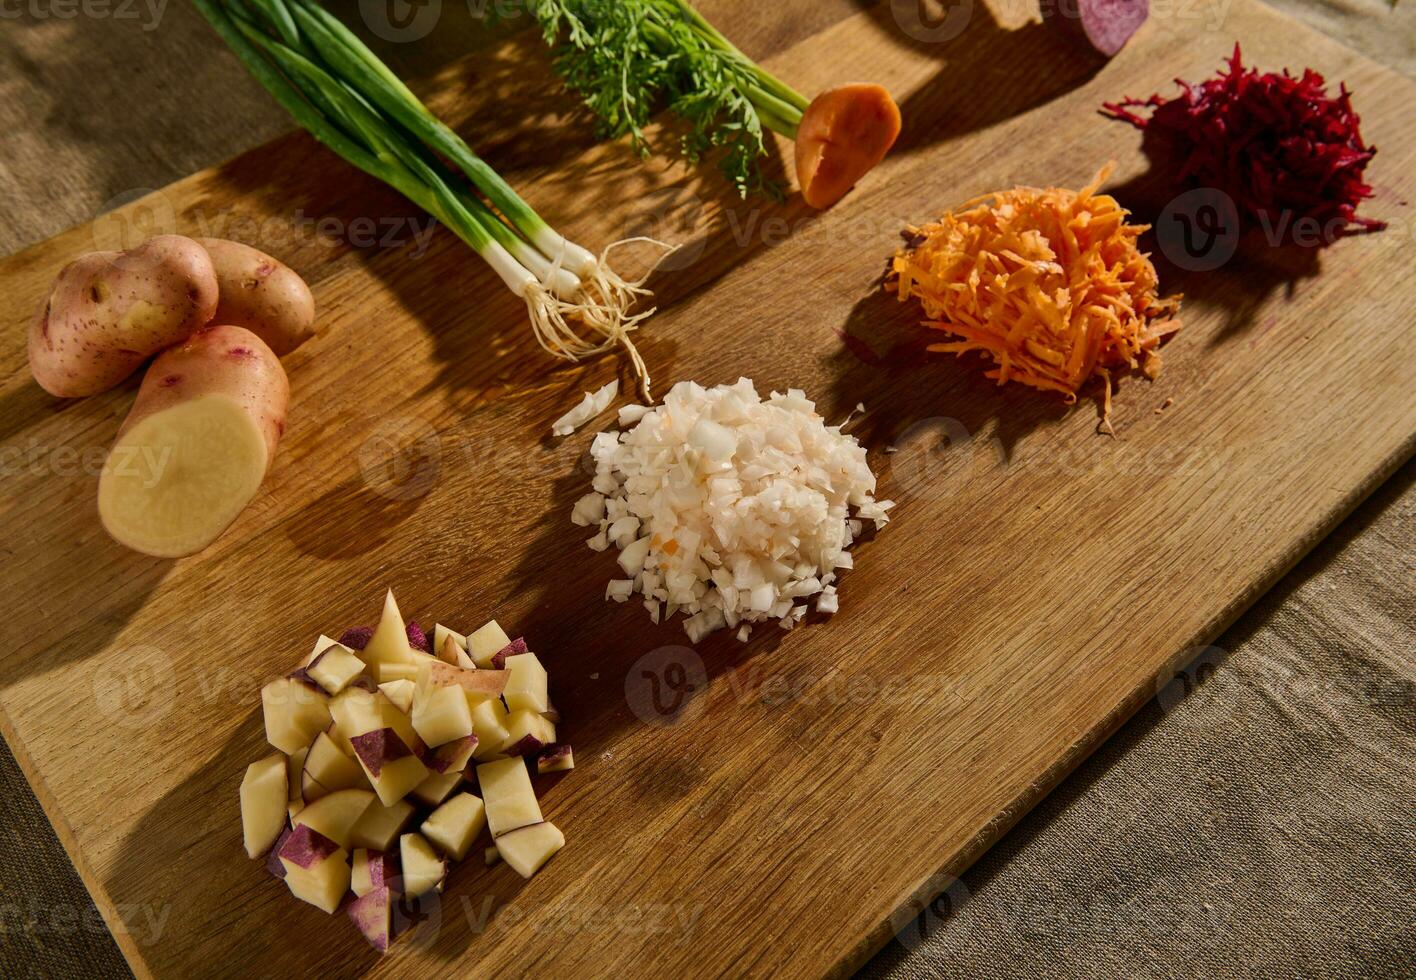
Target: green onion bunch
x: 338, y: 90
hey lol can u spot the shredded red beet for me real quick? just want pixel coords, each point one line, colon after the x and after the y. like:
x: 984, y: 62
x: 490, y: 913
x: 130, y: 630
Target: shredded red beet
x: 1290, y: 155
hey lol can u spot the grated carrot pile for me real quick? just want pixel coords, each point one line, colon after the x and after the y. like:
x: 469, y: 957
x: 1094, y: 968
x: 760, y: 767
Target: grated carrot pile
x: 1048, y: 284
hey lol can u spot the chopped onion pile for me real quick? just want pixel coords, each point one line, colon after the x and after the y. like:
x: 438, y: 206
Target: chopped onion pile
x: 727, y: 507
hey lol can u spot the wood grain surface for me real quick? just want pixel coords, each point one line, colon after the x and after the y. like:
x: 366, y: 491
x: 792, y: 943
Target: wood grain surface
x: 1036, y: 582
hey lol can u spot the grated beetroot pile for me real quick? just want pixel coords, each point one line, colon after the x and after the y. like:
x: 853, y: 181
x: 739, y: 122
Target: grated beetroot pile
x: 1280, y: 146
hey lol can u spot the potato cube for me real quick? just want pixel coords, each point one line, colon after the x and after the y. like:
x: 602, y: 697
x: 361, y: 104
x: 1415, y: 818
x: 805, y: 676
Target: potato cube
x: 423, y: 870
x: 527, y: 733
x: 316, y: 868
x: 441, y: 634
x: 400, y: 692
x: 294, y: 713
x: 392, y: 768
x: 528, y: 848
x: 508, y: 796
x: 372, y: 914
x: 526, y: 688
x: 455, y: 825
x: 372, y: 869
x: 441, y: 715
x: 436, y: 788
x: 389, y: 644
x: 484, y: 644
x: 380, y: 825
x: 327, y: 765
x: 334, y: 667
x: 264, y: 797
x: 335, y: 814
x: 489, y: 725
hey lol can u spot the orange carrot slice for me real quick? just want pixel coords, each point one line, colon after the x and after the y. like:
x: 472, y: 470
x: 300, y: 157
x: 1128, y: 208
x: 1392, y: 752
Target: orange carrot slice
x: 844, y: 132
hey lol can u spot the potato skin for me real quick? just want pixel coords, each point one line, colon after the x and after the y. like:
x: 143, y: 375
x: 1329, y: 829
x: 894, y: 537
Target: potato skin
x: 261, y: 294
x: 224, y: 360
x: 108, y: 312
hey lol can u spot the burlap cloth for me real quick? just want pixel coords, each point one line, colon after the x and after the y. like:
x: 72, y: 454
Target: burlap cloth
x: 1260, y: 823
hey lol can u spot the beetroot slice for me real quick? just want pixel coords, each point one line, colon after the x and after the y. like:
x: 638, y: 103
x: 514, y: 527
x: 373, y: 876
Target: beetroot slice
x: 1104, y: 25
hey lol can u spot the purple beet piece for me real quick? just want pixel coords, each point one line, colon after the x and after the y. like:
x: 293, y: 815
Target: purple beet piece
x: 1104, y: 25
x: 357, y: 638
x: 417, y: 639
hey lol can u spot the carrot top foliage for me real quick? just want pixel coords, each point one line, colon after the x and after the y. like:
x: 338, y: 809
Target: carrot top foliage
x: 628, y: 59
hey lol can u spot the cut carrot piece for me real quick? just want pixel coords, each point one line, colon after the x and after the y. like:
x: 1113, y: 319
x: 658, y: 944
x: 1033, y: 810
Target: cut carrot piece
x: 844, y: 132
x: 1046, y: 283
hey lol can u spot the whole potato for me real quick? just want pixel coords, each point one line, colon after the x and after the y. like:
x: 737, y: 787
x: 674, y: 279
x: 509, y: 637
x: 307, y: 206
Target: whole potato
x: 108, y: 312
x: 261, y: 294
x: 197, y: 444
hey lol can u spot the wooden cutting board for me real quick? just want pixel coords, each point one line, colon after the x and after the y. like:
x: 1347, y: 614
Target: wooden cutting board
x: 813, y: 789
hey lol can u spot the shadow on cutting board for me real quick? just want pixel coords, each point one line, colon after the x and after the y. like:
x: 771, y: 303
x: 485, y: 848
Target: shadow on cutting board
x: 989, y: 73
x: 912, y: 393
x: 1237, y: 287
x: 82, y: 586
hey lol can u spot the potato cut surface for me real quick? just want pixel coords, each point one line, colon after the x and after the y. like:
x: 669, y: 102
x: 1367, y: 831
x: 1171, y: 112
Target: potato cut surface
x: 179, y: 477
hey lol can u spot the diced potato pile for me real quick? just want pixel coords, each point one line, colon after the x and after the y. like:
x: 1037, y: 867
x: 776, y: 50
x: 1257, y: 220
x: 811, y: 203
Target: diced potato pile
x: 378, y: 740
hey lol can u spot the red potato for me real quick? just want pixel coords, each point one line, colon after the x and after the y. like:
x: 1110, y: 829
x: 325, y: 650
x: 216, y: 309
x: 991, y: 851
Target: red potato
x: 1104, y: 25
x: 196, y: 445
x: 843, y: 134
x: 108, y: 312
x: 261, y: 294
